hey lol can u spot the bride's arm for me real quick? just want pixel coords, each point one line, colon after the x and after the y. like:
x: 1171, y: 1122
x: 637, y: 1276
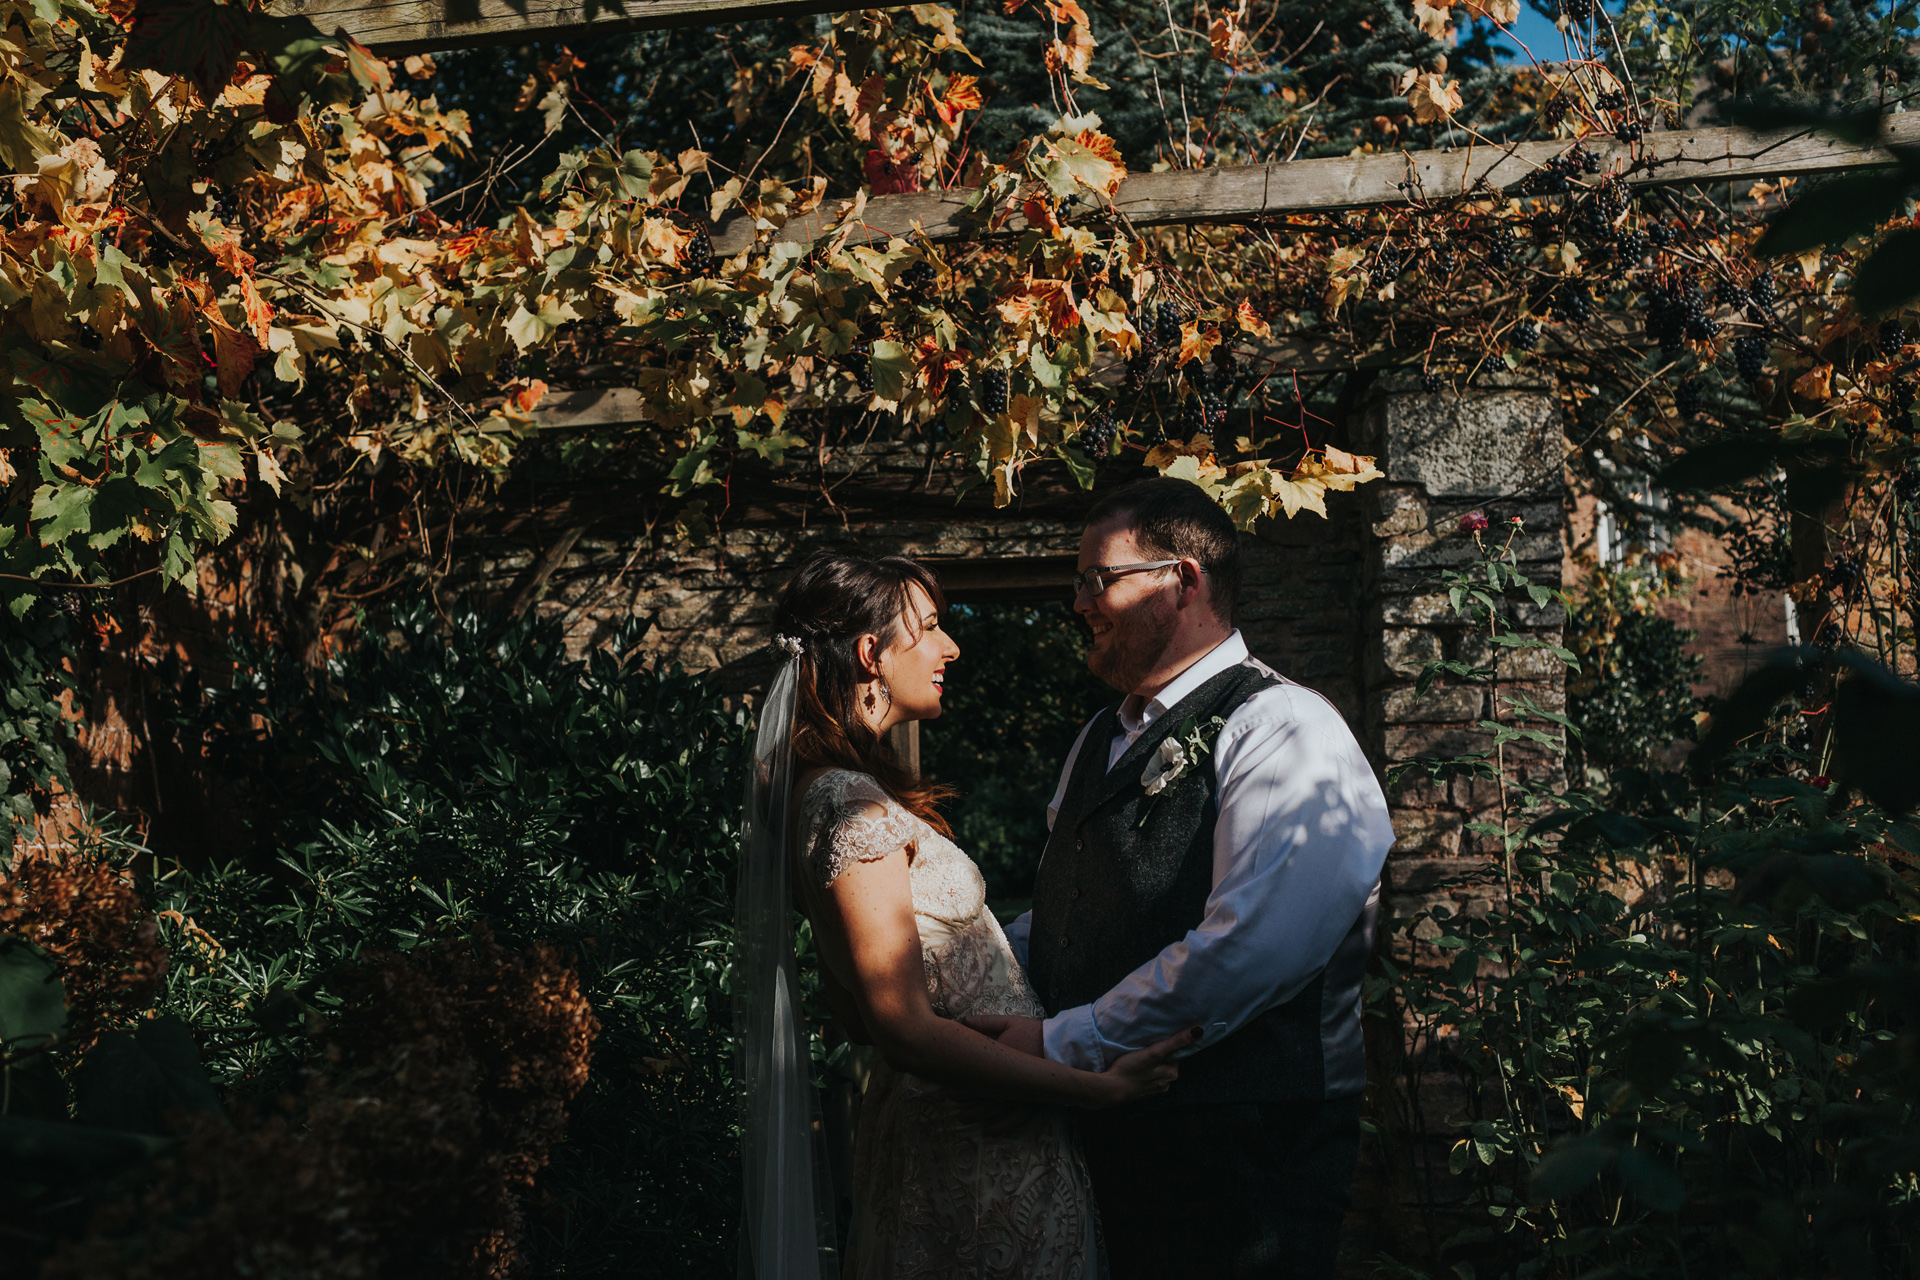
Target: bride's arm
x: 870, y: 910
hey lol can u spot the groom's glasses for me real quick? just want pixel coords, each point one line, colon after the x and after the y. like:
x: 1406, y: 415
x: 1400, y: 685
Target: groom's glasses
x: 1096, y: 580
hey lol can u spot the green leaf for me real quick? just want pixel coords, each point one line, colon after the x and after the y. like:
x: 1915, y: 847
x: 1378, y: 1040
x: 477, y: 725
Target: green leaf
x: 64, y: 510
x: 1657, y: 1185
x: 1571, y: 1167
x: 891, y: 370
x: 33, y: 1003
x: 1081, y: 466
x: 1890, y: 277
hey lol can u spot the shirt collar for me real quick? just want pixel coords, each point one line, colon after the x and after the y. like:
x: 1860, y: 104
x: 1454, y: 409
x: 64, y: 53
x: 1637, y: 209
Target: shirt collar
x: 1230, y: 652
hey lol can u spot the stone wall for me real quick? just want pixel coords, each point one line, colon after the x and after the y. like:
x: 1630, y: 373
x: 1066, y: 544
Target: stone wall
x: 711, y: 603
x: 1496, y: 451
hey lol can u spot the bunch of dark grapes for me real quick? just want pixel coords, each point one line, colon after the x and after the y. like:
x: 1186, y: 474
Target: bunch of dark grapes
x: 1149, y: 337
x: 1431, y: 381
x: 1500, y: 249
x: 1630, y: 247
x: 1843, y: 572
x: 1386, y: 264
x: 1907, y: 487
x: 1193, y: 416
x: 1556, y: 110
x: 1630, y: 130
x: 226, y: 207
x: 1670, y: 307
x: 1763, y: 289
x: 860, y: 365
x: 1572, y: 304
x: 1095, y: 264
x: 1546, y: 227
x: 1612, y: 197
x: 159, y: 250
x: 1137, y: 369
x: 1611, y: 100
x: 1689, y: 398
x: 1659, y: 233
x: 1730, y: 294
x: 1441, y: 263
x: 1580, y: 11
x: 1198, y: 377
x: 1166, y: 324
x: 920, y: 277
x: 700, y: 252
x: 1225, y: 363
x: 993, y: 391
x: 733, y: 331
x: 1216, y: 411
x: 1589, y: 162
x: 1525, y: 336
x: 1893, y: 336
x: 1750, y: 356
x: 1096, y: 434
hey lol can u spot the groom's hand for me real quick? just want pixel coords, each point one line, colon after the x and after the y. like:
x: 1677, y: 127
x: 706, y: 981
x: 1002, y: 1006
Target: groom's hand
x: 1025, y: 1034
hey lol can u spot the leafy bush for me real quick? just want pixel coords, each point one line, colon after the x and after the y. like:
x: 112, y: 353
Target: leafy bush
x: 444, y: 774
x: 1680, y: 1039
x: 34, y: 736
x: 1633, y: 693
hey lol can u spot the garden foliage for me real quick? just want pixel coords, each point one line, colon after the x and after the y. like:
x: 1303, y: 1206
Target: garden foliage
x: 1678, y: 1040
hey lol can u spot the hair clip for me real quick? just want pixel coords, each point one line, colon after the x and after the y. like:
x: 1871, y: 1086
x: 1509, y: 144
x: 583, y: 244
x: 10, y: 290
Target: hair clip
x: 790, y: 643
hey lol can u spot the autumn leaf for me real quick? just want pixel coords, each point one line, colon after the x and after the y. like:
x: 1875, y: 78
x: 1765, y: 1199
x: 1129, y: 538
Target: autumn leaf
x: 1503, y: 12
x: 1225, y: 38
x: 1089, y: 160
x: 1196, y: 343
x: 1250, y: 322
x: 1431, y: 19
x: 1815, y: 384
x: 1431, y: 98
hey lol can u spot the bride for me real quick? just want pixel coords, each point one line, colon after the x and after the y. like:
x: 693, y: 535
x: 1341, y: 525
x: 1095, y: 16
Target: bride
x: 907, y: 947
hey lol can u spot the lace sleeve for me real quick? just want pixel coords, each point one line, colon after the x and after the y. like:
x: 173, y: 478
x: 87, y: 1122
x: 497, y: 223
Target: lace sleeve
x: 851, y: 818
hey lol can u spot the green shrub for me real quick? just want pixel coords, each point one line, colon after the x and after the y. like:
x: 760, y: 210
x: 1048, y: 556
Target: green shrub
x: 443, y: 773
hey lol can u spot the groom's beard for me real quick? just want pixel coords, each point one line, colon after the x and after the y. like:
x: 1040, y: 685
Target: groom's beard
x: 1130, y: 652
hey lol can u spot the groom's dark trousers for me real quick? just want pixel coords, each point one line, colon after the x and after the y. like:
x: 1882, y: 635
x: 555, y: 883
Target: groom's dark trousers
x: 1243, y: 1169
x: 1242, y: 1190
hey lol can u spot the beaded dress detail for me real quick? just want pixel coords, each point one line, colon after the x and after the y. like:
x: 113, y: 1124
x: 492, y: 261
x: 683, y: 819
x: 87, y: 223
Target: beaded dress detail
x: 935, y: 1197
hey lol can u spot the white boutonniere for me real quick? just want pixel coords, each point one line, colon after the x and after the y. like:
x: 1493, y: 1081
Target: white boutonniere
x: 1178, y: 753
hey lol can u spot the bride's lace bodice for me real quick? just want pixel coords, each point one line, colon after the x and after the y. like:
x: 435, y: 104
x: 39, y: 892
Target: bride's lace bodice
x: 936, y: 1195
x: 848, y: 817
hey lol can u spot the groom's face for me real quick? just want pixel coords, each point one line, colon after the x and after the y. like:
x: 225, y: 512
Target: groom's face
x: 1134, y: 620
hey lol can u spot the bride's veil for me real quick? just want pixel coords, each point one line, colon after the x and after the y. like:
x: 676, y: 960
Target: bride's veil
x: 788, y: 1222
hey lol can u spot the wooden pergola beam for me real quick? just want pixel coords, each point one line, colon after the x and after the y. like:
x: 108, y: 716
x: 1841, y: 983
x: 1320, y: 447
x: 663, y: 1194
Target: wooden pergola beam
x: 1240, y: 193
x: 397, y: 28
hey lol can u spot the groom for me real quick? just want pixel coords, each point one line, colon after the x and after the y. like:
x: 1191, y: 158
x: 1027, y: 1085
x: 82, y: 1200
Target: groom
x: 1236, y: 892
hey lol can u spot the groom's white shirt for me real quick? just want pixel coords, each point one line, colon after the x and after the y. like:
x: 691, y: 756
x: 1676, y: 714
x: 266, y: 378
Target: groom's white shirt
x: 1297, y: 851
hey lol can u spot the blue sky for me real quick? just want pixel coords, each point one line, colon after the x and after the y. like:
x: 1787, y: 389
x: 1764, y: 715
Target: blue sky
x: 1540, y: 34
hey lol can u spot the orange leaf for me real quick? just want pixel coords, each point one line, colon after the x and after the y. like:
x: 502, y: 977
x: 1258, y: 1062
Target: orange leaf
x: 1816, y: 383
x: 528, y: 396
x: 259, y: 310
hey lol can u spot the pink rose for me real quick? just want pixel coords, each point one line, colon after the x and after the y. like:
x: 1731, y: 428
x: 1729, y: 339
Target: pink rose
x: 1820, y: 781
x: 1473, y: 522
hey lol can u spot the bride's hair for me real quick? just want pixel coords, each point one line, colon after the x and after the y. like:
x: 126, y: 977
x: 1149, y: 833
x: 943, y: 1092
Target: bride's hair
x: 835, y: 598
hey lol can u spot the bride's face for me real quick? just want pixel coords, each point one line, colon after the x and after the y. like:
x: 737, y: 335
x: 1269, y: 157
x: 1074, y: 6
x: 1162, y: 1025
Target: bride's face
x: 915, y: 666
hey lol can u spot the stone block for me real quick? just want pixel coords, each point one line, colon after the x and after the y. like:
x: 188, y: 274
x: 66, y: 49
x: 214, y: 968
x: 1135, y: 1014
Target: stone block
x: 1403, y: 742
x: 1401, y: 652
x: 1440, y: 704
x: 1503, y: 441
x: 1450, y: 550
x: 1396, y: 510
x: 1428, y: 832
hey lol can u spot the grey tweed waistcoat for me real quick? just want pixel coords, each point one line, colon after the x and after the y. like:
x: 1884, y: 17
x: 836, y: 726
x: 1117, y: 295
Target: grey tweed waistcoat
x: 1113, y: 891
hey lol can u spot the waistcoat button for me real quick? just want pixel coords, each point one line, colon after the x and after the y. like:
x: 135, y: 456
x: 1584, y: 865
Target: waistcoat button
x: 1065, y: 941
x: 1074, y: 894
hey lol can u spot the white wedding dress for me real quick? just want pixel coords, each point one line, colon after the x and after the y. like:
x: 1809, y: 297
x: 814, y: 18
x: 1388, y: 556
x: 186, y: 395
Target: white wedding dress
x: 934, y: 1196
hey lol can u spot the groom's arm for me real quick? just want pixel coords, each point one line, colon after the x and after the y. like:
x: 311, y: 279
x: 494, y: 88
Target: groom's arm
x: 1302, y: 834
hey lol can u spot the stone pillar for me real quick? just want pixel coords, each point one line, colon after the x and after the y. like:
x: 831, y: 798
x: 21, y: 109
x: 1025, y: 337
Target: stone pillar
x: 1495, y: 449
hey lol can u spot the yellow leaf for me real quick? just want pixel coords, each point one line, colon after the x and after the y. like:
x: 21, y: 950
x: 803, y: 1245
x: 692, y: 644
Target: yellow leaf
x: 1816, y: 383
x: 1810, y: 264
x: 1431, y: 99
x: 1430, y: 19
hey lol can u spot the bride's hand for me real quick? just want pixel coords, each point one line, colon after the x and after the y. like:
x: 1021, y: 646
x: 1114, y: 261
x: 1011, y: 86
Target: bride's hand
x: 1145, y: 1072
